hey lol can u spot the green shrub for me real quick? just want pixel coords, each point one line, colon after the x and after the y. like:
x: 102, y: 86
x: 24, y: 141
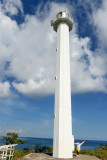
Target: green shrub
x: 43, y: 149
x: 50, y: 149
x: 12, y: 138
x: 84, y: 151
x: 99, y: 152
x: 19, y: 154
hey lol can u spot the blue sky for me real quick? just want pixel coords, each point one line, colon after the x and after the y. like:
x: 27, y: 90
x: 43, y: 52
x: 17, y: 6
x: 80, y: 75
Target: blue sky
x: 28, y: 62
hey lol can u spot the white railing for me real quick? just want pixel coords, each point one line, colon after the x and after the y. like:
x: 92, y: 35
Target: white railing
x: 6, y: 151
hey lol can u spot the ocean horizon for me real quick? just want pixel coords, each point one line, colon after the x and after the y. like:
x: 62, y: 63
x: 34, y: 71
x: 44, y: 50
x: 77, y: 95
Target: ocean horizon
x: 31, y: 142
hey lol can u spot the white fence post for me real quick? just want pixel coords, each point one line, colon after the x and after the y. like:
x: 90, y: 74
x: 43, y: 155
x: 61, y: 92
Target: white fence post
x: 6, y: 151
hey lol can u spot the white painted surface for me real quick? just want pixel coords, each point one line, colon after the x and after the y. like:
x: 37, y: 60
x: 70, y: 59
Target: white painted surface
x: 63, y: 143
x: 7, y: 151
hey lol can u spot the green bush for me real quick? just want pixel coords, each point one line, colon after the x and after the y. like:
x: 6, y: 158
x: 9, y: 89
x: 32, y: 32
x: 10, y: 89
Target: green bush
x: 19, y: 154
x: 43, y: 149
x: 84, y: 151
x: 50, y: 149
x: 100, y: 152
x: 12, y: 138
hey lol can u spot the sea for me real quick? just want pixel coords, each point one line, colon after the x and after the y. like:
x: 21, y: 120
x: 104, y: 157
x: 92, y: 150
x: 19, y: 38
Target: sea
x: 32, y: 142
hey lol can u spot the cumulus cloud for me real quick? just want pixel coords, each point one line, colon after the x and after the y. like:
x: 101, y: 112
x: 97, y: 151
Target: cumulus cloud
x: 33, y: 88
x: 28, y: 54
x: 99, y: 20
x: 4, y: 89
x: 12, y: 7
x: 87, y: 67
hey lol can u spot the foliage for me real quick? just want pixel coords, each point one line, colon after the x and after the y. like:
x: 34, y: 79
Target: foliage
x: 19, y: 154
x: 12, y: 138
x: 100, y: 152
x: 50, y: 149
x: 43, y: 149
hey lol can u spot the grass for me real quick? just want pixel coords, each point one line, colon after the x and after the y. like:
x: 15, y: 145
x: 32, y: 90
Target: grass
x: 19, y: 154
x: 100, y: 152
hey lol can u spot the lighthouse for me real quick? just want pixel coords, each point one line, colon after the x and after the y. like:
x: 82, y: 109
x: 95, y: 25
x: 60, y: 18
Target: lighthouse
x: 63, y: 141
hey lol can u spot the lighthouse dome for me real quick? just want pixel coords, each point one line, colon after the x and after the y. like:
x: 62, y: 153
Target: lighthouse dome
x: 62, y: 14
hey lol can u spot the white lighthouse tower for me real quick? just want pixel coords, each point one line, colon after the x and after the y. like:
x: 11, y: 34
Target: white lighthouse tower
x: 63, y: 141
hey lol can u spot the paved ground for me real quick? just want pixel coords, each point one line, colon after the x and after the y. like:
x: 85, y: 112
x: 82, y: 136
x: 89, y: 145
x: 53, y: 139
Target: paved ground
x: 41, y: 156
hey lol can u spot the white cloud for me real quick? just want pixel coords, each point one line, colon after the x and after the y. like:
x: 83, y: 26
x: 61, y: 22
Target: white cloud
x: 87, y: 67
x: 30, y: 51
x: 33, y: 88
x: 12, y: 7
x: 4, y: 89
x: 99, y: 20
x: 13, y: 130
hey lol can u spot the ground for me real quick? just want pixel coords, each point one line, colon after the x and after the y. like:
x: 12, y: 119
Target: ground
x: 41, y: 156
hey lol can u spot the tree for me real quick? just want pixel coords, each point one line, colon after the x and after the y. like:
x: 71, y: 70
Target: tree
x: 12, y: 138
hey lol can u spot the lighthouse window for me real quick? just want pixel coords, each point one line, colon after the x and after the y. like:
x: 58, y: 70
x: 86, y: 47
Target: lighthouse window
x: 63, y: 14
x: 59, y: 15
